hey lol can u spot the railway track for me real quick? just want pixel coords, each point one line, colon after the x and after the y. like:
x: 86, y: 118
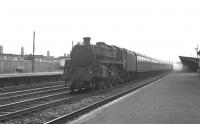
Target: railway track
x: 77, y: 113
x: 29, y: 86
x: 11, y: 97
x: 25, y: 101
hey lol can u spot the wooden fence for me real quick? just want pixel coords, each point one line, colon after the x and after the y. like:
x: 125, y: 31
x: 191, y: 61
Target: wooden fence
x: 10, y: 66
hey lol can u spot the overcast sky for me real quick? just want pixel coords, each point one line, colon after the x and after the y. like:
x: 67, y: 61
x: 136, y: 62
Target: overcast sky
x: 163, y: 29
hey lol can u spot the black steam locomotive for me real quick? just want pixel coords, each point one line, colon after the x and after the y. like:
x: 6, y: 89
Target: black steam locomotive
x: 101, y: 65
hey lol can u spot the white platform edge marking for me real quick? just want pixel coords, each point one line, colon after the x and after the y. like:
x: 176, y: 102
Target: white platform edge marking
x: 93, y: 113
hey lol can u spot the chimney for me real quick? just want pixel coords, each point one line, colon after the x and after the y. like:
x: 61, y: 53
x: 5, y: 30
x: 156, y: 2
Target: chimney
x: 48, y: 53
x: 1, y: 49
x: 86, y: 40
x: 22, y: 51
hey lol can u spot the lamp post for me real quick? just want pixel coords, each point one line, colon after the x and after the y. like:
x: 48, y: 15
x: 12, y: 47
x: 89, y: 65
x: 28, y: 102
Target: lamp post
x: 33, y: 57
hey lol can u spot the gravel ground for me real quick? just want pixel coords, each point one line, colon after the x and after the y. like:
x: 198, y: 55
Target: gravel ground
x: 51, y: 113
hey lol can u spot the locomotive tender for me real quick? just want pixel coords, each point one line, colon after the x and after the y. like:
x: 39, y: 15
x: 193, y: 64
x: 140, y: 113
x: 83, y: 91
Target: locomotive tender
x: 101, y: 65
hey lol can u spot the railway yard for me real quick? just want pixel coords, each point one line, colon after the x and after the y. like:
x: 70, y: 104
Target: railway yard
x: 52, y: 102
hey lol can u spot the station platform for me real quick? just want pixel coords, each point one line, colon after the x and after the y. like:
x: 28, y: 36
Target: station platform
x: 174, y: 99
x: 16, y: 79
x: 30, y: 74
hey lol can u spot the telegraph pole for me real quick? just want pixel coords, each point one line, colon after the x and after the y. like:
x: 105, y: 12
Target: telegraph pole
x: 33, y: 52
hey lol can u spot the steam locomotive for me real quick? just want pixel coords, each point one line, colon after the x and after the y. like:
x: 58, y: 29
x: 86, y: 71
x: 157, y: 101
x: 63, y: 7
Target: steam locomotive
x: 99, y: 66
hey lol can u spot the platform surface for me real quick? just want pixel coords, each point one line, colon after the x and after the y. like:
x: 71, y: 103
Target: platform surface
x: 174, y: 99
x: 30, y: 74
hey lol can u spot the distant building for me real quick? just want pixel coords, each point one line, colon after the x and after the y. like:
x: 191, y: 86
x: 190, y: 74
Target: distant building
x: 48, y: 53
x: 39, y: 58
x: 17, y: 57
x: 22, y: 56
x: 5, y: 56
x: 61, y: 60
x: 22, y: 51
x: 10, y: 57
